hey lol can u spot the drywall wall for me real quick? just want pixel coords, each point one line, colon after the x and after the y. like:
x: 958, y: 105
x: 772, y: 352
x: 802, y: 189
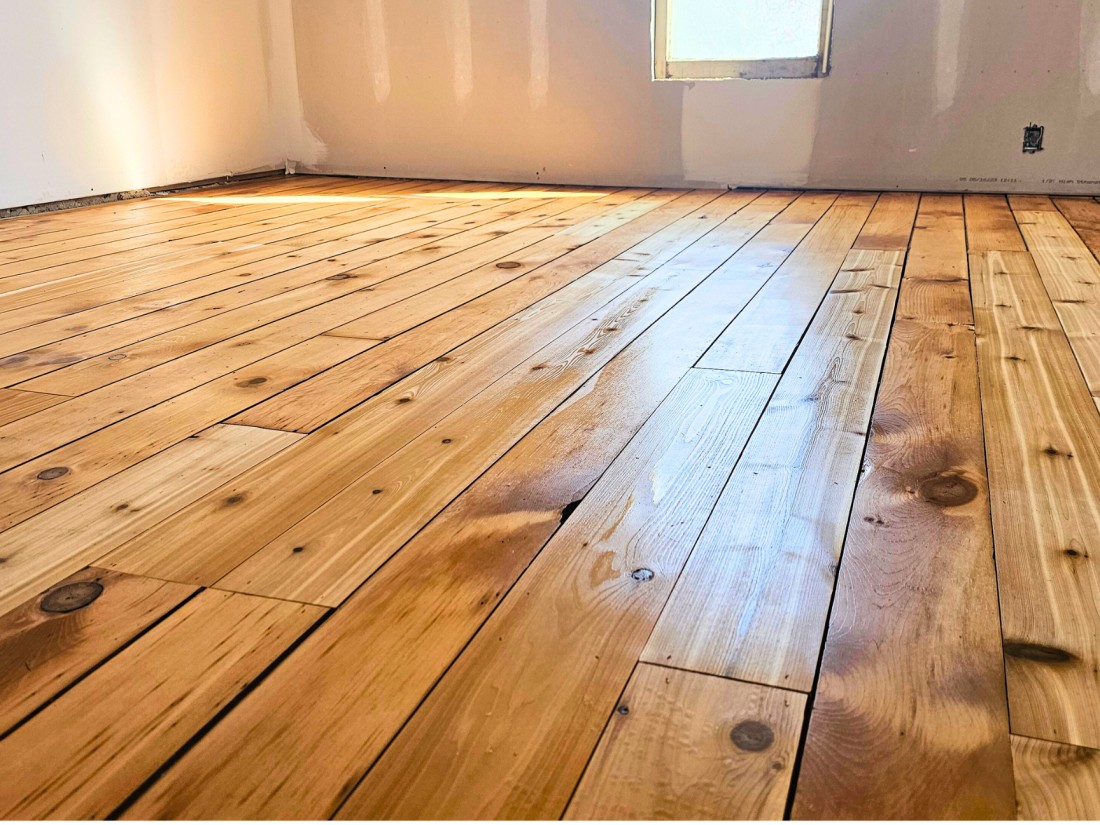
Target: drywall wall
x: 932, y: 94
x: 114, y: 95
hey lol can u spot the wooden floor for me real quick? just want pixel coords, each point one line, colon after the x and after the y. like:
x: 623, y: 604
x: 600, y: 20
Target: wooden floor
x: 356, y: 498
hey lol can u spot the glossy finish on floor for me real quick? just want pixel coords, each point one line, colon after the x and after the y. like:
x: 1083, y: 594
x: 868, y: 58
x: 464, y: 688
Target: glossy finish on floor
x: 358, y: 498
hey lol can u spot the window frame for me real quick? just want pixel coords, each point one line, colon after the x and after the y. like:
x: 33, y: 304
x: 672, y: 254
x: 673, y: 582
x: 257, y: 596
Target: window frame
x: 764, y: 69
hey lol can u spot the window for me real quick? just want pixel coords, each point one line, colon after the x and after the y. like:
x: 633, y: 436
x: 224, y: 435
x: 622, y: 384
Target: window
x: 750, y: 39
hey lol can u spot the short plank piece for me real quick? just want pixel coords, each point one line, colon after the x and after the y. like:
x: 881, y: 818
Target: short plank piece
x: 1056, y: 781
x: 435, y: 593
x: 991, y: 226
x: 1032, y: 203
x: 1071, y: 276
x: 890, y: 224
x: 1044, y: 478
x: 688, y: 746
x: 93, y: 746
x: 753, y: 599
x: 525, y: 704
x: 937, y: 285
x: 78, y: 531
x: 910, y: 718
x: 16, y: 404
x: 1083, y: 215
x: 763, y: 336
x: 48, y: 642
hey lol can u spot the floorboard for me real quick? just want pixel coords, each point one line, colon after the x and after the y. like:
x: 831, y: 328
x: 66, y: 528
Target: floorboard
x: 911, y: 682
x: 1044, y: 469
x: 351, y: 497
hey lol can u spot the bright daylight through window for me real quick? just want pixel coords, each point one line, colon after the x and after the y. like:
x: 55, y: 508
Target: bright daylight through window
x: 750, y: 39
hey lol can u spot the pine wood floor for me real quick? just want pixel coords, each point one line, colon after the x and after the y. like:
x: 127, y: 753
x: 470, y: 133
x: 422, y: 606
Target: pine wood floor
x: 357, y: 498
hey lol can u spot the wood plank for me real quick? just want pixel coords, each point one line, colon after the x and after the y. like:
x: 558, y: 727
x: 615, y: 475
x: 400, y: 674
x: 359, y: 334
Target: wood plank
x: 50, y: 299
x: 87, y: 751
x: 1055, y: 781
x: 16, y: 404
x: 77, y: 221
x: 1031, y: 203
x: 1083, y: 215
x: 321, y: 559
x: 89, y: 360
x: 754, y: 597
x: 52, y: 640
x: 685, y: 746
x: 62, y: 540
x: 937, y: 285
x: 29, y: 489
x: 27, y: 438
x: 318, y: 254
x: 238, y: 225
x: 1044, y: 475
x: 911, y: 683
x: 890, y: 224
x: 763, y: 336
x: 531, y: 692
x: 439, y: 589
x: 991, y: 226
x: 1071, y: 276
x: 436, y: 321
x: 235, y: 286
x: 348, y: 447
x: 65, y: 230
x: 309, y: 405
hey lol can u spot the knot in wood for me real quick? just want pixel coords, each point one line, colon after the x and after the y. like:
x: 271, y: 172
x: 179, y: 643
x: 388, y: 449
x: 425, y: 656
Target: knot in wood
x: 70, y: 597
x: 752, y: 736
x: 948, y: 490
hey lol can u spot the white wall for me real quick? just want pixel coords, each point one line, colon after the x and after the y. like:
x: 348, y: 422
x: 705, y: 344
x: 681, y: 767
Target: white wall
x: 930, y: 94
x: 101, y: 96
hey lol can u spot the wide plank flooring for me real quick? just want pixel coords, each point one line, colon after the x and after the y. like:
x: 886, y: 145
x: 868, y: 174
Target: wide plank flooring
x: 376, y: 498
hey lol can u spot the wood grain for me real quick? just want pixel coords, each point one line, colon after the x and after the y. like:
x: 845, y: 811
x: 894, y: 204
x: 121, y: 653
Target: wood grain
x: 93, y: 746
x: 62, y: 540
x: 437, y: 591
x: 1044, y: 474
x: 326, y: 555
x: 685, y: 746
x: 479, y: 378
x: 1055, y: 781
x: 309, y: 405
x: 1071, y: 276
x: 753, y: 599
x: 16, y: 404
x: 52, y: 640
x: 530, y: 694
x: 763, y: 337
x: 345, y: 449
x: 890, y: 223
x: 1083, y: 215
x: 90, y: 359
x: 991, y: 226
x: 911, y: 683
